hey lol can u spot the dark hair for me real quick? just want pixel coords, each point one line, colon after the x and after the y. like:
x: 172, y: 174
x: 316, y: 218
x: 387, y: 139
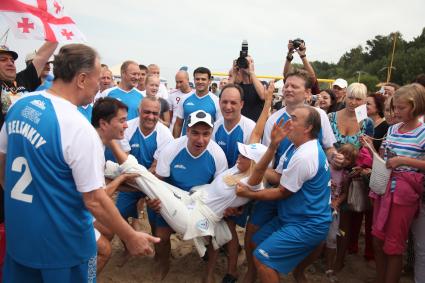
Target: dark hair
x: 106, y: 108
x: 333, y: 106
x: 233, y: 86
x: 420, y: 79
x: 73, y: 59
x: 202, y: 70
x: 302, y: 74
x: 313, y: 120
x: 214, y: 84
x: 379, y: 100
x: 143, y: 68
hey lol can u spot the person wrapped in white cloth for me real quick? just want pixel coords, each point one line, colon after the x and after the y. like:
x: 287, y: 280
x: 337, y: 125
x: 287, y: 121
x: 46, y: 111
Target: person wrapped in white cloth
x: 199, y: 212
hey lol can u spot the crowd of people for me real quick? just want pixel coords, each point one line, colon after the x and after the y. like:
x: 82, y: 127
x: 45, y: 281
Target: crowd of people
x: 294, y: 175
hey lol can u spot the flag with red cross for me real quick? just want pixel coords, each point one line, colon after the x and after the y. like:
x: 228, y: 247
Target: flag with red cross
x: 40, y: 19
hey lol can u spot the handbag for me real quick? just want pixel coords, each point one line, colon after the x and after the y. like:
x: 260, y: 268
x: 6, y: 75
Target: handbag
x: 380, y: 175
x: 357, y: 195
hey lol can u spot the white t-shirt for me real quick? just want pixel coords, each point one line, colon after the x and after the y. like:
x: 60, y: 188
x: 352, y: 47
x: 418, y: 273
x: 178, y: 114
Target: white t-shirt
x: 174, y: 98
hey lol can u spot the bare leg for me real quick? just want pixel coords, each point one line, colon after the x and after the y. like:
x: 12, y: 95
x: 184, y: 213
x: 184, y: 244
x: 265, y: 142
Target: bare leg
x: 380, y: 259
x: 212, y: 259
x: 163, y: 250
x: 232, y: 250
x: 266, y: 274
x: 394, y: 267
x: 251, y: 273
x: 330, y: 258
x: 104, y: 252
x: 299, y: 270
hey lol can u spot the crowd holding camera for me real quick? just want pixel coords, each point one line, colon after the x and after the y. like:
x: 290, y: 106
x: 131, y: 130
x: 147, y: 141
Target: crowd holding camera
x: 293, y: 173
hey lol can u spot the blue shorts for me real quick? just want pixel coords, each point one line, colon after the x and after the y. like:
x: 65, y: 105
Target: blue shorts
x: 155, y: 219
x: 262, y: 212
x: 283, y: 246
x: 18, y: 273
x: 127, y: 203
x: 241, y: 220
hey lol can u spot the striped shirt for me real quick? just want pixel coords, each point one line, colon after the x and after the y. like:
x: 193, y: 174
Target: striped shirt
x: 409, y: 144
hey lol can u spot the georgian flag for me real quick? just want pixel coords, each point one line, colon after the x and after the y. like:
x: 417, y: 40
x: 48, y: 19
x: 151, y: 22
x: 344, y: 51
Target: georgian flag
x: 40, y: 19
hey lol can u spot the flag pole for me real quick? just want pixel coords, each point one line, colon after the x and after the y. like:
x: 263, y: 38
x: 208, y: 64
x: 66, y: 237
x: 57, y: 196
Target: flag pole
x: 4, y: 36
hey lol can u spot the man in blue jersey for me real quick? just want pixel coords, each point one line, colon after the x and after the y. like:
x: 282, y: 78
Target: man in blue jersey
x: 191, y: 160
x: 126, y: 91
x: 144, y: 139
x: 51, y: 166
x: 232, y: 128
x: 303, y: 200
x: 202, y: 99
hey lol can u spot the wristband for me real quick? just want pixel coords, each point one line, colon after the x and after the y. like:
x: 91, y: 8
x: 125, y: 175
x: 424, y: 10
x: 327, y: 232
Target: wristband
x: 289, y: 57
x: 303, y: 56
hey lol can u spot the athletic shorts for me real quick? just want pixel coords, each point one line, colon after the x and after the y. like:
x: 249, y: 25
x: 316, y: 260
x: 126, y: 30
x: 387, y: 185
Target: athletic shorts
x: 241, y: 220
x: 262, y: 212
x: 155, y: 219
x: 18, y: 273
x: 127, y: 203
x: 283, y: 246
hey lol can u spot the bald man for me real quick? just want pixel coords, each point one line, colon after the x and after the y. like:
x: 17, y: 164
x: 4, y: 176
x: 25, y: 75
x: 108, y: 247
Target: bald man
x: 154, y: 69
x: 182, y: 89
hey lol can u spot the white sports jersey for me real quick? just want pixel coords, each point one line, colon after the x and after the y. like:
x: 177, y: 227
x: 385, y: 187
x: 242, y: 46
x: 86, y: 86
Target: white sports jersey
x: 174, y: 99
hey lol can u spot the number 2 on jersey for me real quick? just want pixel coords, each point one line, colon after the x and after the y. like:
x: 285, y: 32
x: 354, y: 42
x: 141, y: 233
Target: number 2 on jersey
x: 23, y: 182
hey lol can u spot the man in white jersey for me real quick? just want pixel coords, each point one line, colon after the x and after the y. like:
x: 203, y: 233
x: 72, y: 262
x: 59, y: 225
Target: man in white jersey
x: 182, y: 90
x: 154, y: 69
x: 47, y: 172
x: 191, y: 160
x: 126, y: 91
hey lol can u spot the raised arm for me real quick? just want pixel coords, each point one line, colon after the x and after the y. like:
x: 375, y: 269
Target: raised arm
x: 259, y: 88
x: 43, y: 55
x: 257, y: 132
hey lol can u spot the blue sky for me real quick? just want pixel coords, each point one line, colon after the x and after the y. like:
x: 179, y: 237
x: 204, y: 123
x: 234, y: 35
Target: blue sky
x: 209, y: 33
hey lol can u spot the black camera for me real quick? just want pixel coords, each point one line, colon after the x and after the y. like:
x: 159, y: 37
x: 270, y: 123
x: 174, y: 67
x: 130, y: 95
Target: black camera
x: 297, y: 43
x: 241, y: 62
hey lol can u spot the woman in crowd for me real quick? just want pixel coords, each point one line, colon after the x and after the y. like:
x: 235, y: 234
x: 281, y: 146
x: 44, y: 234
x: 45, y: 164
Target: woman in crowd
x: 327, y: 101
x: 375, y: 111
x: 347, y: 129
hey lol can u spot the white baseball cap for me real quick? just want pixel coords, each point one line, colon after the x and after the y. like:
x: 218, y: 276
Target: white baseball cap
x: 340, y: 82
x: 200, y: 116
x: 252, y: 151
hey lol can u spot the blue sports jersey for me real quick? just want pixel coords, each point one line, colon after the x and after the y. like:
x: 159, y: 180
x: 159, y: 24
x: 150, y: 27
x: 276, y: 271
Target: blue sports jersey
x: 228, y: 140
x: 192, y: 103
x: 86, y: 111
x: 310, y: 203
x: 47, y: 223
x: 131, y: 98
x: 184, y: 170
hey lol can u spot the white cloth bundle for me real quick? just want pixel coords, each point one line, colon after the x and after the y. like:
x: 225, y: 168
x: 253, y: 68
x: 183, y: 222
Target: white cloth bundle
x: 185, y: 213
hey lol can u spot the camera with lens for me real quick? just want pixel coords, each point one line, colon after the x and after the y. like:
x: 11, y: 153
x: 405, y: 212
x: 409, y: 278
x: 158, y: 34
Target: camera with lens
x: 297, y: 43
x: 241, y: 62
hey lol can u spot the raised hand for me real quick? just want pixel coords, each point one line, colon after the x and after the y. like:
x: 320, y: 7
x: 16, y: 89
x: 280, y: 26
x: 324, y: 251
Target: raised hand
x: 280, y: 131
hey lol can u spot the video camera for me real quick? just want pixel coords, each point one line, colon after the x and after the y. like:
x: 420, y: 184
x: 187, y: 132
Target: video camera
x: 241, y: 62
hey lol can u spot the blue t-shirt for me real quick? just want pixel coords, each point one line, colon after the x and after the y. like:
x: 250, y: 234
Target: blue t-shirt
x: 228, y: 140
x: 306, y: 174
x: 52, y: 156
x: 130, y: 98
x: 181, y: 169
x: 192, y: 103
x: 86, y: 111
x: 145, y: 148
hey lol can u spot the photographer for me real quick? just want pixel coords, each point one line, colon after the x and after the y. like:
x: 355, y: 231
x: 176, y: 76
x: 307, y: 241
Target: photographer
x: 252, y: 88
x: 298, y: 45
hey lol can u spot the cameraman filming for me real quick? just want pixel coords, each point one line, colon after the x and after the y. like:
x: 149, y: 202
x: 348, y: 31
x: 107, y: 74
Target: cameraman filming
x: 298, y: 45
x: 253, y: 89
